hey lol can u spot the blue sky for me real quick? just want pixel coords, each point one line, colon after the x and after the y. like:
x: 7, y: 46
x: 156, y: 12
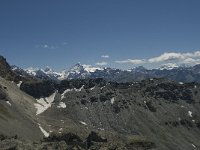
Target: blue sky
x: 60, y: 33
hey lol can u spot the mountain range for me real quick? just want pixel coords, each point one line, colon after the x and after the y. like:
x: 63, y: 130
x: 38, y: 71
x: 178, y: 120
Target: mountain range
x: 79, y: 71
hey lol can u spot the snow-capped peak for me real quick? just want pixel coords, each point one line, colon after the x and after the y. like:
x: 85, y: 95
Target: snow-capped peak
x: 78, y: 71
x: 50, y: 71
x: 76, y: 68
x: 46, y: 73
x: 89, y: 68
x: 32, y: 71
x: 80, y: 67
x: 169, y: 66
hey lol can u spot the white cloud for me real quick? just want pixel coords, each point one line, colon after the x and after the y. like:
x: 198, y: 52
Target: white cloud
x: 191, y: 61
x: 167, y: 57
x: 105, y: 56
x: 46, y: 46
x: 65, y: 43
x: 103, y: 63
x: 131, y: 61
x: 186, y: 58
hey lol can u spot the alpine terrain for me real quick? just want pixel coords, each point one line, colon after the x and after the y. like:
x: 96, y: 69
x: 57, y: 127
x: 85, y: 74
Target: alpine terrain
x: 94, y: 108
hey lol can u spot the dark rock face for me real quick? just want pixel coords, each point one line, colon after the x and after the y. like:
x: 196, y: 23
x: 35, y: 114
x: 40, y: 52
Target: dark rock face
x: 45, y: 88
x: 140, y: 143
x: 78, y: 83
x: 2, y: 95
x: 3, y: 64
x: 73, y: 140
x: 38, y: 89
x: 6, y: 72
x: 70, y: 139
x: 150, y: 106
x: 94, y: 137
x: 170, y: 91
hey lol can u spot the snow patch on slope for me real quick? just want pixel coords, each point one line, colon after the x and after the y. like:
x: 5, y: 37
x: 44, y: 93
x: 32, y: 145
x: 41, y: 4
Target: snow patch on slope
x: 79, y: 90
x: 83, y: 123
x: 62, y: 105
x: 44, y: 103
x: 8, y: 103
x: 112, y: 100
x: 92, y: 88
x: 19, y: 84
x: 190, y: 113
x: 193, y: 146
x: 63, y: 94
x: 69, y: 90
x: 46, y: 134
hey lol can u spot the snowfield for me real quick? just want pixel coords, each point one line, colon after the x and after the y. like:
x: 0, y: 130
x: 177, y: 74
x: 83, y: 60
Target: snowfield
x: 44, y: 103
x: 61, y: 105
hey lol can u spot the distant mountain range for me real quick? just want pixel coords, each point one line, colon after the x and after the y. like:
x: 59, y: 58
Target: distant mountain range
x: 79, y: 71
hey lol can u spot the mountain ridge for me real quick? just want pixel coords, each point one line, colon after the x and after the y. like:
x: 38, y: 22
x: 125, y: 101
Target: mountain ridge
x: 78, y: 71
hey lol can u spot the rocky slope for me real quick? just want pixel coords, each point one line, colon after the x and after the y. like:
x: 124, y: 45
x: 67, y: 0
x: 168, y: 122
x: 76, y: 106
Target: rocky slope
x: 17, y: 112
x: 151, y: 114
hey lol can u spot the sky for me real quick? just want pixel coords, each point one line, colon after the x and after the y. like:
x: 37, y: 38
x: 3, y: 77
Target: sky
x: 116, y: 33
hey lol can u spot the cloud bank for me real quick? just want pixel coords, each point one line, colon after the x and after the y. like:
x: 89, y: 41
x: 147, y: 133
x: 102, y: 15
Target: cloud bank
x: 103, y: 63
x: 105, y: 56
x: 170, y: 57
x: 132, y: 61
x: 46, y: 46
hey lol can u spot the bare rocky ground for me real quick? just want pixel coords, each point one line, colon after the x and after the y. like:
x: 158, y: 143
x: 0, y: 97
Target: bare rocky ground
x: 95, y: 114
